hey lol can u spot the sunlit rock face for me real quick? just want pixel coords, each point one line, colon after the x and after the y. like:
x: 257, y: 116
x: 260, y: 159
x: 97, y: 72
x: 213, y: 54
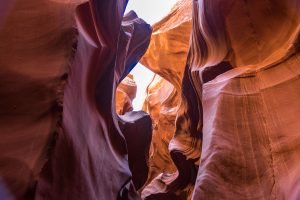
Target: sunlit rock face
x: 166, y: 56
x: 169, y: 44
x: 239, y: 101
x: 61, y: 137
x: 161, y: 103
x: 224, y: 107
x: 126, y: 92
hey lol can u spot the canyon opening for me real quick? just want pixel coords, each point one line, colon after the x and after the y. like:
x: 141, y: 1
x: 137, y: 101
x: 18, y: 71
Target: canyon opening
x: 180, y: 100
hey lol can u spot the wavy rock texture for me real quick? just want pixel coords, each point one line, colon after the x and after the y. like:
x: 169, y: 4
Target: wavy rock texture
x: 36, y: 39
x: 250, y: 132
x: 161, y: 103
x: 63, y: 108
x: 236, y: 133
x: 240, y: 92
x: 137, y: 130
x: 166, y: 56
x: 89, y: 160
x: 163, y: 180
x: 126, y: 92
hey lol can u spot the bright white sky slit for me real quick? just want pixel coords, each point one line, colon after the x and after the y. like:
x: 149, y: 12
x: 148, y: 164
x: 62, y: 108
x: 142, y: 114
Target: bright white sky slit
x: 151, y: 11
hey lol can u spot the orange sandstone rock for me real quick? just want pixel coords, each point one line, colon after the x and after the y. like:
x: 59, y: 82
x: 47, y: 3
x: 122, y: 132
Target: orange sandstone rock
x: 169, y: 44
x: 126, y: 92
x: 237, y: 119
x: 161, y: 103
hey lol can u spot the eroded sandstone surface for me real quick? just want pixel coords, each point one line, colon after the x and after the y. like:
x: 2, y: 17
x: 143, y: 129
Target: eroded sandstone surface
x: 239, y: 99
x: 126, y: 92
x: 61, y: 136
x: 223, y: 107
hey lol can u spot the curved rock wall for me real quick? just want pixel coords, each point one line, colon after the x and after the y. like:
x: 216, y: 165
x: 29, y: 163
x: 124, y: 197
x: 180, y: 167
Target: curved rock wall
x: 126, y: 92
x: 225, y: 109
x: 58, y: 107
x: 168, y: 47
x: 166, y: 56
x: 236, y: 119
x: 249, y: 137
x: 161, y: 103
x: 90, y: 156
x: 36, y: 47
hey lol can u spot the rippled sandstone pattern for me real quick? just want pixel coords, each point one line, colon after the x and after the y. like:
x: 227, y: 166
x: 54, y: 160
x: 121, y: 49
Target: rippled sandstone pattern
x: 90, y: 156
x: 236, y: 134
x: 250, y: 129
x: 166, y: 56
x: 58, y: 107
x: 240, y: 99
x: 161, y: 103
x: 169, y: 44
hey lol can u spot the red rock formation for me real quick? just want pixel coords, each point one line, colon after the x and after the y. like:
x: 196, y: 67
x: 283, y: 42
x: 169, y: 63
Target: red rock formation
x: 240, y: 92
x: 89, y: 155
x: 126, y: 92
x: 237, y: 119
x: 250, y: 132
x: 168, y: 47
x: 36, y: 39
x: 161, y: 103
x: 137, y: 130
x: 166, y: 56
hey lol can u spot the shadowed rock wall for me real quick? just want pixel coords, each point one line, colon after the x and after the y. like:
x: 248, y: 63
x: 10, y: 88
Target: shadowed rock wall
x: 90, y: 156
x: 231, y: 78
x: 36, y: 47
x: 58, y: 107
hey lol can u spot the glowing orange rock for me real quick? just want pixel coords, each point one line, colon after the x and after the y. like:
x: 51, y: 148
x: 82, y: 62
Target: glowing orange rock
x: 169, y: 44
x: 166, y: 56
x: 126, y: 92
x: 239, y: 105
x: 161, y: 103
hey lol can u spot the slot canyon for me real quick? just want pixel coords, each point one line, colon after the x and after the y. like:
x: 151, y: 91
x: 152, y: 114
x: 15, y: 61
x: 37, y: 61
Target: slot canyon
x: 219, y: 119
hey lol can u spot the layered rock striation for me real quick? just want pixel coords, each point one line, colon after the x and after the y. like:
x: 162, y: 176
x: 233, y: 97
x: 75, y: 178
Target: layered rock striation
x: 224, y: 103
x: 90, y: 156
x: 239, y: 91
x: 61, y: 135
x: 249, y: 137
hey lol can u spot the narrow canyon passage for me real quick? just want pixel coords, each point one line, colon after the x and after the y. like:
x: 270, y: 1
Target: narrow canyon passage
x: 153, y: 100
